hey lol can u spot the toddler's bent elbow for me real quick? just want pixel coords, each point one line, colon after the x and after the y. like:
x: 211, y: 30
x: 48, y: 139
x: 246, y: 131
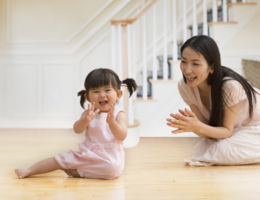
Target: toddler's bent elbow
x: 77, y: 130
x: 122, y: 138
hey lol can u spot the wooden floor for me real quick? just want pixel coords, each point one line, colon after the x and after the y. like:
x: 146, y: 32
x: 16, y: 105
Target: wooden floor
x: 154, y: 170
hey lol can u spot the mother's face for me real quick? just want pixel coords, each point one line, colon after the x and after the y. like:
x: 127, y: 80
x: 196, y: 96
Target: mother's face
x: 195, y: 68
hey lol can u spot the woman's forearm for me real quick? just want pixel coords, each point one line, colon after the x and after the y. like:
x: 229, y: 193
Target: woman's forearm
x: 213, y: 132
x: 201, y: 135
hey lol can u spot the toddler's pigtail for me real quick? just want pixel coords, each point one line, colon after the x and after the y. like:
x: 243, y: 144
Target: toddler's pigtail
x: 131, y: 85
x: 82, y: 98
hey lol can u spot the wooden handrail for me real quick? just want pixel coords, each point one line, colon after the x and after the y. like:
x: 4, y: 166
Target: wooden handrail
x: 130, y: 21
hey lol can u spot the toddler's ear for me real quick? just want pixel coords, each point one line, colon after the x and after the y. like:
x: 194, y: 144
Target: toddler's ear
x: 85, y: 95
x: 119, y: 94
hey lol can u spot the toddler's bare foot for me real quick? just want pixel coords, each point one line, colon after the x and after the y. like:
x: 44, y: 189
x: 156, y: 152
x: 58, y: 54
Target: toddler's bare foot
x: 22, y: 173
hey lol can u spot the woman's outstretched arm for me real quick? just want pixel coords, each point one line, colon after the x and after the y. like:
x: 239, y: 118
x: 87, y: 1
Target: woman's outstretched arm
x: 192, y: 124
x: 198, y: 114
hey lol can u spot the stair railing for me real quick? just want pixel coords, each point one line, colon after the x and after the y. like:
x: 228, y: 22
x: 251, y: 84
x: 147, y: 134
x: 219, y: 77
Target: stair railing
x: 124, y: 33
x: 124, y: 53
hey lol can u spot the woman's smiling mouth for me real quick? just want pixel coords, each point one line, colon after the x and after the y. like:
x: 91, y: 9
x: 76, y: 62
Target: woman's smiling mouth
x: 190, y: 78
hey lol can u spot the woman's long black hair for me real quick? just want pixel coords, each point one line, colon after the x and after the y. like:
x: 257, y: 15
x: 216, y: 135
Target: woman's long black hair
x: 101, y: 77
x: 207, y: 47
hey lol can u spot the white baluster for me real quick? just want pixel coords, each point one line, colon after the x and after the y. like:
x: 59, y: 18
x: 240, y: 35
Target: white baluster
x: 130, y: 111
x: 165, y: 57
x: 224, y: 10
x: 134, y: 58
x: 120, y: 55
x: 234, y: 1
x: 244, y: 1
x: 120, y: 61
x: 129, y: 51
x: 214, y: 11
x: 144, y: 60
x: 154, y: 45
x: 194, y: 24
x: 129, y: 66
x: 184, y: 20
x: 205, y: 25
x: 174, y: 31
x: 113, y: 41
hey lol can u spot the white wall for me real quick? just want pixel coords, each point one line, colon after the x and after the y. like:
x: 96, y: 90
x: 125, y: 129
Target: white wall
x: 46, y: 50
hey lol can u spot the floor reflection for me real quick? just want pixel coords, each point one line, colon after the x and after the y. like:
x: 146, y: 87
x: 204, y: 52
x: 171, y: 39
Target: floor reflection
x: 55, y: 186
x: 90, y: 188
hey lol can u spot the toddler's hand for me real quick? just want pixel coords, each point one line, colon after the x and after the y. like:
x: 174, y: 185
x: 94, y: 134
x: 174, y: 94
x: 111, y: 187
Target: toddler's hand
x: 90, y: 113
x: 110, y: 114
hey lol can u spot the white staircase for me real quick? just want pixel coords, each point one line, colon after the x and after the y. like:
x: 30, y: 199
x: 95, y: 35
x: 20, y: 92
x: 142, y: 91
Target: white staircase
x: 152, y: 113
x: 165, y: 99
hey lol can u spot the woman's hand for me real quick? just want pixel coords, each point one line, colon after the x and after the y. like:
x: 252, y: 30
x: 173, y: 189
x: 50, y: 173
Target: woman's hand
x: 182, y: 112
x: 186, y: 121
x: 90, y: 114
x: 110, y: 114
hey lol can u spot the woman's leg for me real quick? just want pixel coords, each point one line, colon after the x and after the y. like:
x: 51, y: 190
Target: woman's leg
x: 44, y: 166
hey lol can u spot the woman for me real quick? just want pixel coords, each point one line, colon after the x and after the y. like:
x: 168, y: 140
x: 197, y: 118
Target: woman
x: 225, y: 108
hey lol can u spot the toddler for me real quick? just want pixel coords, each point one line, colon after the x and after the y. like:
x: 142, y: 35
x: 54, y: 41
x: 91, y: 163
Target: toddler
x: 101, y: 155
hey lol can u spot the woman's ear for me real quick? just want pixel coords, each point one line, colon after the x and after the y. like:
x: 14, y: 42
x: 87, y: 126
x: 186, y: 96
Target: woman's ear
x: 211, y: 69
x: 119, y: 94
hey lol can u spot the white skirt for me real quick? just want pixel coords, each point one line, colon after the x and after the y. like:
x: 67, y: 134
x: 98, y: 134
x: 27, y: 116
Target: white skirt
x: 242, y: 148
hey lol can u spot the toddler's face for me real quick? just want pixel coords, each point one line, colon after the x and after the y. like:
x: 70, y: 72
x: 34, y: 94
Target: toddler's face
x: 103, y: 97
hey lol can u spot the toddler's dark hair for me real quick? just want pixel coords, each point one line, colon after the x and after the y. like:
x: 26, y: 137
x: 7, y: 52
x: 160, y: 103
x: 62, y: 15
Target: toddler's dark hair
x: 101, y: 77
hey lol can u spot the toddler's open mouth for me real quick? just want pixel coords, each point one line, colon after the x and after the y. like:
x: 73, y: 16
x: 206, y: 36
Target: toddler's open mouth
x: 103, y: 103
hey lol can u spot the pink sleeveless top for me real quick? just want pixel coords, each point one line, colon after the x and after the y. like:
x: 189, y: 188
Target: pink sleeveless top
x: 98, y: 132
x: 234, y: 93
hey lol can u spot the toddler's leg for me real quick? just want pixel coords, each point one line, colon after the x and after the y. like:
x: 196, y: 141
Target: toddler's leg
x: 44, y: 166
x: 72, y: 172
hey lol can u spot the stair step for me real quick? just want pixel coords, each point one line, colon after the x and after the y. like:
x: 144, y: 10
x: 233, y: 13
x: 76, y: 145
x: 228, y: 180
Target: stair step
x: 211, y: 23
x: 153, y: 112
x: 140, y: 99
x: 140, y: 90
x: 241, y: 3
x: 161, y: 80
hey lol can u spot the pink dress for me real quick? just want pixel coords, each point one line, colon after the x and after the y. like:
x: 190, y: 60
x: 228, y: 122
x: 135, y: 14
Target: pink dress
x: 243, y: 147
x: 101, y: 155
